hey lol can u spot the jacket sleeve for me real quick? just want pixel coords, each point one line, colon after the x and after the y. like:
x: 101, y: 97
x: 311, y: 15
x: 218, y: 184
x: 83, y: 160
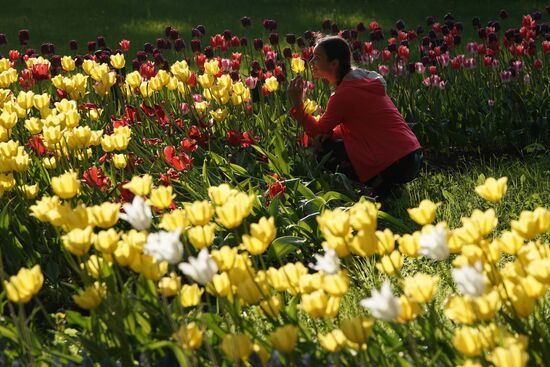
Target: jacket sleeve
x: 328, y: 121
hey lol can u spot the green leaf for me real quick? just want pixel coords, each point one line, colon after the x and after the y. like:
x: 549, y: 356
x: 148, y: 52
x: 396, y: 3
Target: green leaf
x: 285, y: 245
x: 241, y: 171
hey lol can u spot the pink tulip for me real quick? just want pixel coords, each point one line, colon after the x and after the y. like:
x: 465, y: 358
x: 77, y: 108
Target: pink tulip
x: 383, y: 70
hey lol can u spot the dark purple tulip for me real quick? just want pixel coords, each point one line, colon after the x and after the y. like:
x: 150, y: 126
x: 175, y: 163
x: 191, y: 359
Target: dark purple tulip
x: 147, y: 47
x: 234, y: 75
x: 258, y: 44
x: 246, y: 21
x: 308, y: 35
x: 101, y: 42
x: 393, y: 32
x: 432, y: 35
x: 55, y: 61
x: 136, y: 64
x: 23, y: 36
x: 209, y: 52
x: 425, y: 60
x: 179, y: 44
x: 430, y: 20
x: 457, y: 39
x: 492, y: 37
x: 30, y: 52
x: 476, y: 22
x: 327, y: 24
x: 425, y: 41
x: 255, y: 65
x: 400, y: 24
x: 79, y: 60
x: 3, y: 39
x: 537, y: 15
x: 482, y: 33
x: 287, y: 52
x: 360, y: 27
x: 227, y: 35
x: 195, y: 33
x: 459, y: 26
x: 445, y: 30
x: 201, y: 29
x: 503, y: 14
x: 73, y: 45
x: 448, y: 16
x: 141, y: 56
x: 269, y: 24
x: 405, y: 43
x: 357, y: 56
x: 392, y: 47
x: 244, y: 41
x: 356, y: 45
x: 45, y: 49
x: 160, y: 43
x: 270, y: 64
x: 167, y: 31
x: 91, y: 46
x: 290, y: 38
x: 346, y: 34
x: 300, y: 42
x: 274, y: 38
x: 104, y: 58
x: 419, y: 30
x: 174, y: 34
x: 495, y: 25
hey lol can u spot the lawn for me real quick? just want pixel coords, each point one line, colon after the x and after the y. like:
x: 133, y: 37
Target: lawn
x: 59, y: 21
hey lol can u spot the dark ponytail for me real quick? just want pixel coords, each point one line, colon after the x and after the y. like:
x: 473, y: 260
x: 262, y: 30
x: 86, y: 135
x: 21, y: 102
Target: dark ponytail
x: 337, y: 48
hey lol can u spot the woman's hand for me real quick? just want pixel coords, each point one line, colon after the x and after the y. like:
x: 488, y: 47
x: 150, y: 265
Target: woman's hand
x: 295, y: 91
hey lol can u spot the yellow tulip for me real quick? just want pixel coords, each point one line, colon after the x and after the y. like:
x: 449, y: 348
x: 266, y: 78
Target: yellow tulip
x: 91, y: 297
x: 120, y: 161
x: 358, y: 329
x: 390, y: 264
x: 169, y: 286
x: 174, y: 220
x: 297, y: 65
x: 68, y: 63
x: 284, y: 338
x: 493, y: 190
x: 140, y: 186
x: 201, y: 236
x: 107, y: 241
x: 467, y: 340
x: 408, y: 309
x: 67, y: 185
x: 511, y: 356
x: 117, y: 61
x: 425, y: 213
x: 272, y: 306
x: 161, y: 198
x: 106, y: 214
x: 224, y: 257
x: 189, y: 336
x: 236, y: 346
x: 271, y: 84
x: 333, y: 341
x: 78, y: 241
x: 421, y: 287
x: 190, y: 295
x: 22, y: 287
x: 199, y: 212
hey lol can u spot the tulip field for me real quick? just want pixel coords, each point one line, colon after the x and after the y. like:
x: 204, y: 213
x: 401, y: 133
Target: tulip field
x: 160, y: 207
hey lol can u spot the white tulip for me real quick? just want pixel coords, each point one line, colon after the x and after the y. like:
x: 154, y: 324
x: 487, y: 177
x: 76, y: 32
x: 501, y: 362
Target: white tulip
x: 165, y: 246
x: 328, y: 263
x: 138, y: 214
x: 434, y: 244
x: 202, y: 269
x: 470, y: 279
x: 383, y: 304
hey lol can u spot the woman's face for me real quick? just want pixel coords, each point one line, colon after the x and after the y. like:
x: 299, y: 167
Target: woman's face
x: 321, y: 67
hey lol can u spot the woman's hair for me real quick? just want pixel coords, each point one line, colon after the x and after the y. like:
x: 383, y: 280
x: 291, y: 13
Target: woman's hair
x: 337, y: 48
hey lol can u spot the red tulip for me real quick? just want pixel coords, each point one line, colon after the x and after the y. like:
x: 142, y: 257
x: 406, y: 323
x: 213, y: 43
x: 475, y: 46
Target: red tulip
x: 94, y: 176
x: 124, y: 45
x: 275, y: 189
x: 546, y: 46
x: 403, y: 52
x: 537, y: 64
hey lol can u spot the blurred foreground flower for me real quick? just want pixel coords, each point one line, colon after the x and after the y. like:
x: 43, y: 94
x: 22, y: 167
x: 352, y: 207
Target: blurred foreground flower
x: 382, y: 304
x: 21, y: 287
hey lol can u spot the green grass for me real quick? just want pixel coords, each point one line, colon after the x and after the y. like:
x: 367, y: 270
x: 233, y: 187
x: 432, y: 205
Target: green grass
x: 528, y: 188
x: 58, y: 21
